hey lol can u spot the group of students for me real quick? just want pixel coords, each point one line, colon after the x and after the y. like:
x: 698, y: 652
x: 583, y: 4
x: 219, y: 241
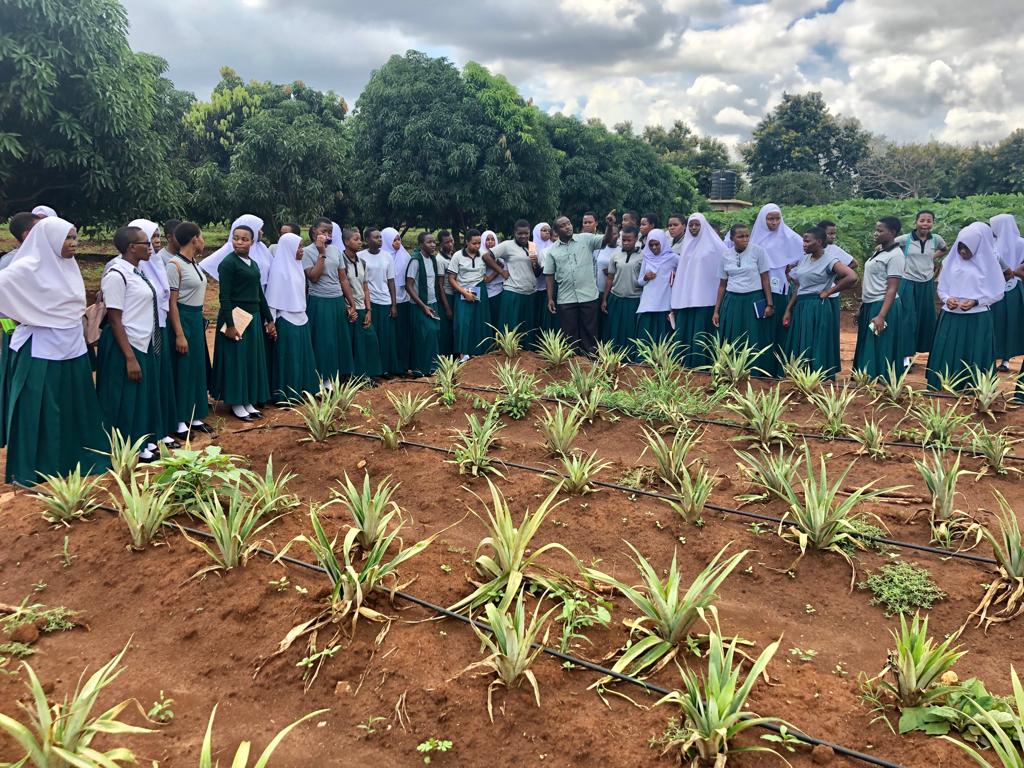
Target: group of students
x: 295, y: 317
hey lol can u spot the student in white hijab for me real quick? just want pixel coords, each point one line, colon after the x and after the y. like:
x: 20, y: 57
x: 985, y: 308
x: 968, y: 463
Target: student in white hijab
x: 1008, y: 312
x: 783, y: 248
x: 43, y: 211
x: 292, y: 364
x: 54, y: 415
x: 391, y: 244
x: 970, y: 282
x: 695, y: 289
x: 656, y: 270
x: 543, y: 238
x: 494, y: 277
x: 259, y: 254
x: 155, y: 271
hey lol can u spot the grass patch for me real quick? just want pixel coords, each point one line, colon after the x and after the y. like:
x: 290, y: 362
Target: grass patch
x: 902, y: 588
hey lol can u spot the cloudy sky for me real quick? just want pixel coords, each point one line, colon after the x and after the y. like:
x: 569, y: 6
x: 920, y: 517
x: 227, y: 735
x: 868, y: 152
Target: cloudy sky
x: 943, y: 69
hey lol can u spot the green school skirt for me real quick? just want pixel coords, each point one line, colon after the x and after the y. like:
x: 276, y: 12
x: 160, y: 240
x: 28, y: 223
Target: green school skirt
x: 240, y: 374
x: 652, y: 326
x: 445, y: 337
x: 874, y: 354
x: 620, y: 324
x: 918, y: 314
x: 425, y: 332
x: 294, y: 366
x: 53, y: 418
x: 812, y: 333
x: 330, y: 333
x: 133, y: 407
x: 545, y: 320
x: 517, y: 311
x: 189, y: 369
x: 737, y: 323
x: 387, y: 338
x: 494, y: 308
x: 365, y: 347
x: 5, y: 382
x: 472, y: 336
x: 404, y: 335
x: 694, y: 326
x: 1008, y: 323
x: 962, y: 342
x: 168, y: 396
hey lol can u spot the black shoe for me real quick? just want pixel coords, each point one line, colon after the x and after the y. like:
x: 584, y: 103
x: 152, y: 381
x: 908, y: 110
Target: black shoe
x: 1003, y: 368
x: 247, y: 418
x: 206, y: 429
x: 256, y: 415
x: 149, y: 460
x: 173, y: 445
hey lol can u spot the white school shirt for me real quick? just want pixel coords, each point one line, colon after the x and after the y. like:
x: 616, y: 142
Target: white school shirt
x: 50, y: 343
x: 380, y: 268
x: 657, y: 293
x: 134, y: 298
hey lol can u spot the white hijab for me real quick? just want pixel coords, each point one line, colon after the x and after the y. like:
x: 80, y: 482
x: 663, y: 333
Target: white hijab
x: 336, y: 237
x: 259, y: 253
x: 696, y: 281
x: 387, y: 236
x: 1009, y: 245
x: 286, y: 283
x: 783, y: 246
x: 665, y: 253
x: 44, y: 211
x: 40, y: 288
x: 980, y: 277
x: 542, y: 245
x: 154, y: 268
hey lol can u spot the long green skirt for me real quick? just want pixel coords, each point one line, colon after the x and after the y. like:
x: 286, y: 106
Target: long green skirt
x: 189, y: 370
x: 517, y: 311
x: 425, y: 332
x: 53, y: 418
x: 694, y: 330
x: 133, y: 407
x: 168, y: 396
x: 6, y: 359
x: 365, y: 347
x: 494, y: 307
x: 294, y: 367
x: 963, y: 342
x: 918, y: 315
x: 404, y: 335
x: 445, y: 337
x: 874, y: 353
x: 331, y: 336
x: 240, y: 374
x: 737, y: 323
x: 812, y: 333
x: 1008, y: 323
x: 387, y: 338
x: 472, y: 336
x: 545, y: 320
x: 652, y: 326
x: 620, y: 325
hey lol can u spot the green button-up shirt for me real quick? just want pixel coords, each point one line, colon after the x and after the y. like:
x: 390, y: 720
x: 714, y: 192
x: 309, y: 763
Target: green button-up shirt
x: 572, y: 264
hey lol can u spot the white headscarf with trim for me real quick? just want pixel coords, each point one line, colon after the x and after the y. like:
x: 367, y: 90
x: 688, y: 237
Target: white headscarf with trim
x: 259, y: 253
x: 40, y: 287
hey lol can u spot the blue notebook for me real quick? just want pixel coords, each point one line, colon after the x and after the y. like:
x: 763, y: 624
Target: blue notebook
x: 759, y: 307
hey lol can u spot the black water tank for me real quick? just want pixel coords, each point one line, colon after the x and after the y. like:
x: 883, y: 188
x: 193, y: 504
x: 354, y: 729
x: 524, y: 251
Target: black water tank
x: 723, y: 185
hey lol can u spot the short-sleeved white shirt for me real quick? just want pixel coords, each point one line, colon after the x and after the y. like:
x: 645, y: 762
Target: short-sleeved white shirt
x: 380, y: 268
x: 134, y: 297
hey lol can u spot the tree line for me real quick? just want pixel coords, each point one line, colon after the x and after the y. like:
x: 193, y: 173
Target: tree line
x: 99, y: 132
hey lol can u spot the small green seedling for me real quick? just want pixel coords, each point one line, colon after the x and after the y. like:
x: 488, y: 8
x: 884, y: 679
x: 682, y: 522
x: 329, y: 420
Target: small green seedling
x: 161, y: 711
x: 432, y: 745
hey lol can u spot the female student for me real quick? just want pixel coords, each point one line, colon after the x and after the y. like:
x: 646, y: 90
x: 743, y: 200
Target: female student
x: 517, y: 301
x: 380, y: 275
x: 391, y: 243
x: 423, y: 284
x: 784, y: 247
x: 365, y: 347
x: 191, y: 360
x: 293, y: 368
x: 621, y: 299
x: 127, y: 366
x: 809, y: 319
x: 917, y: 291
x: 656, y: 270
x: 880, y: 325
x: 328, y: 303
x: 1008, y: 312
x: 53, y: 415
x: 445, y: 251
x: 970, y: 282
x: 695, y: 288
x: 466, y: 276
x: 155, y: 271
x: 494, y: 277
x: 543, y: 238
x: 240, y: 375
x: 745, y: 308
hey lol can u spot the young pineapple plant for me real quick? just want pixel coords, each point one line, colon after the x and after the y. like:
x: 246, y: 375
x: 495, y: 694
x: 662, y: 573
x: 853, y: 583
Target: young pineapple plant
x: 560, y: 427
x: 948, y: 524
x: 714, y: 708
x: 371, y: 510
x: 390, y: 436
x: 670, y: 457
x: 62, y: 734
x: 241, y: 758
x: 861, y: 379
x: 994, y: 447
x: 667, y: 613
x: 871, y: 438
x: 917, y: 665
x: 610, y: 359
x: 446, y: 380
x: 144, y: 507
x: 124, y: 455
x: 833, y: 403
x: 894, y: 389
x: 938, y: 426
x: 409, y: 406
x: 806, y: 380
x: 822, y: 515
x: 519, y: 389
x: 589, y: 403
x: 270, y: 491
x: 763, y: 414
x: 472, y: 447
x: 344, y: 393
x: 235, y: 530
x: 663, y: 356
x: 577, y: 473
x: 585, y: 377
x: 731, y: 363
x: 506, y: 559
x: 774, y: 473
x: 508, y: 341
x: 319, y: 413
x: 691, y: 492
x: 985, y: 386
x: 513, y: 644
x: 1004, y: 599
x: 554, y: 348
x: 71, y: 497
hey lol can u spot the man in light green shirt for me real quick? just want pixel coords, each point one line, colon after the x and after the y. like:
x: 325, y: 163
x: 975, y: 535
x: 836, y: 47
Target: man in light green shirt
x: 569, y: 263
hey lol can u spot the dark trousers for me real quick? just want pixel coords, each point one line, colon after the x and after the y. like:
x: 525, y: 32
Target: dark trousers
x: 579, y: 323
